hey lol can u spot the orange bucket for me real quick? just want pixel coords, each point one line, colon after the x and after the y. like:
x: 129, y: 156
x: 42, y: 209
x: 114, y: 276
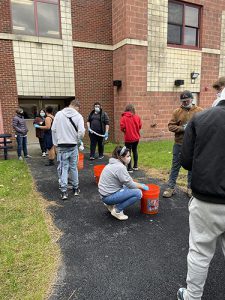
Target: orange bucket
x: 97, y: 172
x: 150, y: 200
x: 80, y: 164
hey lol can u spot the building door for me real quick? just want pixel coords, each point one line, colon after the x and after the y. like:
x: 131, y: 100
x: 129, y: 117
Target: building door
x: 31, y: 108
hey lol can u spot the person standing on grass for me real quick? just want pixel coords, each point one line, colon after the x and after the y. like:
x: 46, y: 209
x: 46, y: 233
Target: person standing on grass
x: 48, y: 135
x: 116, y: 188
x: 68, y: 131
x: 203, y: 154
x: 180, y: 118
x: 130, y: 125
x: 20, y: 127
x: 98, y: 127
x: 40, y: 133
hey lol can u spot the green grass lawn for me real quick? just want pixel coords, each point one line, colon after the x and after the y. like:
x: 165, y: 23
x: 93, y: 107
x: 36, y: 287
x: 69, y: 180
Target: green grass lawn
x: 27, y: 254
x: 155, y: 157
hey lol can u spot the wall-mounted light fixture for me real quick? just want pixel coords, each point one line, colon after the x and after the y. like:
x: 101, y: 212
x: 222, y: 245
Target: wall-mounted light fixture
x: 194, y: 76
x: 179, y: 82
x: 117, y: 83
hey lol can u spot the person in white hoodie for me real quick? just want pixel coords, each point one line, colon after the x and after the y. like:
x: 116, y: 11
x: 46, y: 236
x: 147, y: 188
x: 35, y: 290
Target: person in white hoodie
x: 219, y: 86
x: 67, y: 132
x: 116, y: 187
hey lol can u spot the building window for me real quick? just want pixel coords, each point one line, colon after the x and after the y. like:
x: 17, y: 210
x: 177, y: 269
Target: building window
x: 36, y: 17
x: 183, y: 24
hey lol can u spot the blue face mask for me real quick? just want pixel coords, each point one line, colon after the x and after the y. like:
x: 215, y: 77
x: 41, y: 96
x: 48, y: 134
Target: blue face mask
x: 42, y: 114
x: 97, y: 109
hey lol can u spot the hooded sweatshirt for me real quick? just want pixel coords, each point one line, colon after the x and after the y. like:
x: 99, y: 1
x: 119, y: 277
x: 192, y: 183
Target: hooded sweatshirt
x: 113, y: 177
x: 63, y: 132
x: 130, y: 124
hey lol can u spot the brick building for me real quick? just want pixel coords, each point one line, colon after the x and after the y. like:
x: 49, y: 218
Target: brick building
x: 53, y: 50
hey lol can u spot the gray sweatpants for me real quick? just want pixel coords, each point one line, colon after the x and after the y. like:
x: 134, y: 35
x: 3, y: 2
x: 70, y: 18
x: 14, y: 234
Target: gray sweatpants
x: 207, y: 224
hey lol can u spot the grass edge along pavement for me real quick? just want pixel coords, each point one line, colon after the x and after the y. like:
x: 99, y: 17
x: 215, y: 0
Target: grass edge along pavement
x: 28, y: 251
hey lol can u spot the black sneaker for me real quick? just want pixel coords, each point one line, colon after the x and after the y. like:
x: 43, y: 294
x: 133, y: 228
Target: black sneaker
x: 64, y: 196
x: 76, y: 191
x: 130, y: 170
x: 101, y: 157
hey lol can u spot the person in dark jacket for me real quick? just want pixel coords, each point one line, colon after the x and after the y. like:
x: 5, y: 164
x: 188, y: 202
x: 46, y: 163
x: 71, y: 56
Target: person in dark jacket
x: 98, y: 127
x: 130, y: 125
x: 180, y: 118
x: 20, y: 127
x: 40, y: 133
x: 203, y: 154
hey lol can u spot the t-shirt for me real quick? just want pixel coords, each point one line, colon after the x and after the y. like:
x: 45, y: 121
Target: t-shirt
x: 96, y: 123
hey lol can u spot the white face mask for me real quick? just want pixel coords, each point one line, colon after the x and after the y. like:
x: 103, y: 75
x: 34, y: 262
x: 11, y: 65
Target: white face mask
x: 97, y: 109
x: 127, y: 160
x: 42, y: 114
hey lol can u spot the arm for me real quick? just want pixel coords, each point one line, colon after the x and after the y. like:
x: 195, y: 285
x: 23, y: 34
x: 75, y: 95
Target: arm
x: 81, y: 129
x: 188, y: 145
x: 174, y: 125
x: 54, y: 133
x: 122, y: 125
x: 15, y: 125
x: 48, y: 123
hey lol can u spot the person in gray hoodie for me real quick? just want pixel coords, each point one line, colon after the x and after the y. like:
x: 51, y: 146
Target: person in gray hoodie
x: 116, y: 187
x: 67, y: 132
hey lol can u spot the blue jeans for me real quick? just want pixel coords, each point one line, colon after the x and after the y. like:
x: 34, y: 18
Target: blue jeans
x: 21, y: 144
x: 123, y: 198
x: 67, y: 161
x: 176, y: 168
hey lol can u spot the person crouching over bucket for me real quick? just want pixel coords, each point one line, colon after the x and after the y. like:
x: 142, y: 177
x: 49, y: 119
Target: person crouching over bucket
x: 116, y: 187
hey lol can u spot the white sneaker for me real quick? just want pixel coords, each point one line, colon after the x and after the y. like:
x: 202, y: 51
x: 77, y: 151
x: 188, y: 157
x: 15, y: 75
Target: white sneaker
x: 120, y: 216
x: 109, y: 207
x: 20, y: 158
x: 43, y: 154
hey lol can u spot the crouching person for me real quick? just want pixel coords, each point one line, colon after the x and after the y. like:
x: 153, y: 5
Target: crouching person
x: 116, y: 187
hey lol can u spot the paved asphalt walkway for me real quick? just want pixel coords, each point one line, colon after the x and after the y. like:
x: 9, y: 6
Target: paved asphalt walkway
x: 106, y: 259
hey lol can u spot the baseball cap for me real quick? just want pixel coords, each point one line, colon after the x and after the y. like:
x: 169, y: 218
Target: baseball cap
x: 186, y: 95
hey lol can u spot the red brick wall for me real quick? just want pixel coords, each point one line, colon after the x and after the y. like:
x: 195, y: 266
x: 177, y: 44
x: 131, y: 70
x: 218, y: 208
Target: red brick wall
x: 93, y: 81
x: 92, y: 21
x: 8, y: 90
x: 5, y: 16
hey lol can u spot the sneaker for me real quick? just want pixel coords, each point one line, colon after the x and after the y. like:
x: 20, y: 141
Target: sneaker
x: 101, y: 157
x: 109, y: 207
x: 135, y: 168
x: 43, y: 154
x: 118, y: 215
x: 180, y: 293
x: 130, y: 170
x: 28, y: 156
x: 76, y: 191
x: 20, y: 158
x: 168, y: 193
x: 64, y: 196
x: 189, y: 192
x: 91, y: 158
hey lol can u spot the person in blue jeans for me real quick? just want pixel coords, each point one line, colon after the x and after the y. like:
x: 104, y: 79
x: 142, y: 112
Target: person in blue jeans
x: 116, y: 187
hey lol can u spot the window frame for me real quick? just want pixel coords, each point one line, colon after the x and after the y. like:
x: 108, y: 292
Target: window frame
x: 53, y: 2
x: 199, y: 28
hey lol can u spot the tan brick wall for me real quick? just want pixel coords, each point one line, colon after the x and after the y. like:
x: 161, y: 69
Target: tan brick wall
x: 8, y: 91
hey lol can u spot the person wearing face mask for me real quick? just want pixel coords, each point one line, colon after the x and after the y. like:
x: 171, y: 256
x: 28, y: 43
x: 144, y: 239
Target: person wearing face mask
x: 40, y: 133
x: 180, y: 118
x: 116, y: 187
x: 20, y: 127
x: 98, y: 127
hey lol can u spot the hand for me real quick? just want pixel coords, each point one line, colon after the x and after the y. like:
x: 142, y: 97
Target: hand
x: 81, y: 146
x: 90, y: 130
x: 184, y: 126
x: 37, y: 126
x: 144, y: 187
x: 106, y: 136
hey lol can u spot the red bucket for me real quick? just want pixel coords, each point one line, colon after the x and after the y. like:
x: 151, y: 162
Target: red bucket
x: 80, y: 164
x: 97, y: 172
x: 150, y: 200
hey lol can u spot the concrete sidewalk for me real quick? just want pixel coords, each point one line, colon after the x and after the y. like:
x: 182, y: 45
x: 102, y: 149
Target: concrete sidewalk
x: 104, y: 259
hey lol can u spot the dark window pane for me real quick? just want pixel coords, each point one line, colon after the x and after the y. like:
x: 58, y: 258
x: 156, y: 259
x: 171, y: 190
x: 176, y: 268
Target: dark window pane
x: 174, y: 34
x: 23, y: 17
x: 175, y: 13
x: 48, y: 20
x: 191, y: 16
x: 190, y: 37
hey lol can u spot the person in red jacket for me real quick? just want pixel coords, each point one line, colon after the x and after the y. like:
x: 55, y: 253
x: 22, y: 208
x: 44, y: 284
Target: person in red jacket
x: 130, y: 124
